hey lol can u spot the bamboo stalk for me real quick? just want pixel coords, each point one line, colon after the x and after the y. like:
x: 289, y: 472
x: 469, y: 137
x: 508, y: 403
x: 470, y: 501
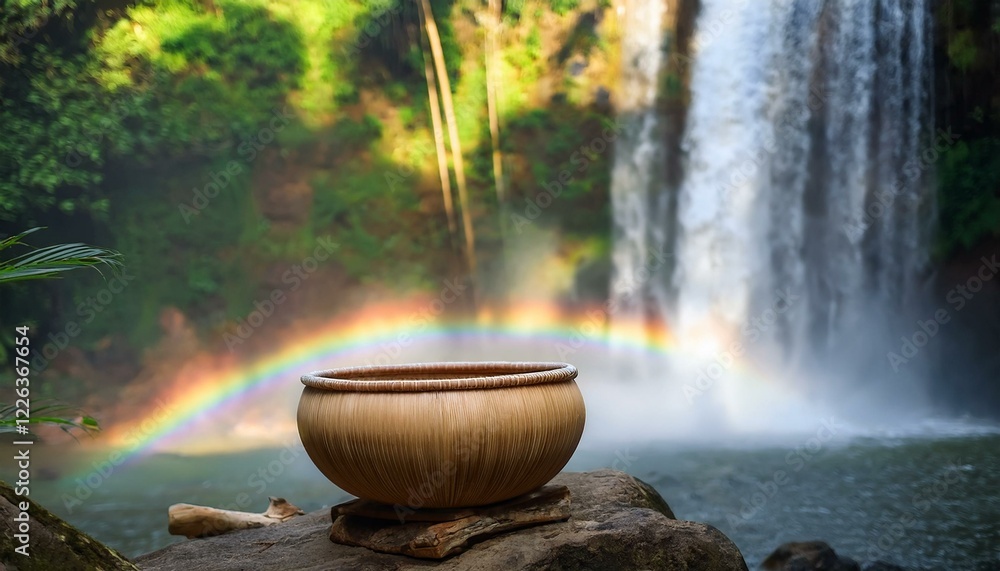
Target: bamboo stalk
x: 456, y: 146
x: 442, y: 153
x: 493, y: 25
x: 493, y: 22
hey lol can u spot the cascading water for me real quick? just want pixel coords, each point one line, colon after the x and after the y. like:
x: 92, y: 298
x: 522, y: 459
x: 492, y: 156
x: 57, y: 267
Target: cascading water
x: 803, y: 198
x: 638, y: 153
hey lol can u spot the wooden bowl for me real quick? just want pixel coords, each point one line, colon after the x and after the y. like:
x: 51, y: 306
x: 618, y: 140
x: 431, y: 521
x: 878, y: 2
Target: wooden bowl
x: 441, y: 435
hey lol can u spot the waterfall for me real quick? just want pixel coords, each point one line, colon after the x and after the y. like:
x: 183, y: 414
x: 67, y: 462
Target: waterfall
x: 638, y: 154
x: 803, y: 196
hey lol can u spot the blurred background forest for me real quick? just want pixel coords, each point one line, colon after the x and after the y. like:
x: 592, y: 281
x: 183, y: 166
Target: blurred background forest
x: 292, y: 121
x: 213, y: 142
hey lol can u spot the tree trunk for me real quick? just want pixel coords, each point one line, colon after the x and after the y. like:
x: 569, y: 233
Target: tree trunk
x: 493, y: 26
x: 456, y: 145
x: 493, y: 22
x: 442, y: 153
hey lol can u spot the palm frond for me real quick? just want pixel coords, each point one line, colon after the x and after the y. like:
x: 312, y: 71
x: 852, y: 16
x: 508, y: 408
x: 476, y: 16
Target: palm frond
x: 50, y: 261
x: 64, y: 416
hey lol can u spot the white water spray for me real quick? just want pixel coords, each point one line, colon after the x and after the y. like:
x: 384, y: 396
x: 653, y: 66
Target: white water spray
x: 804, y: 125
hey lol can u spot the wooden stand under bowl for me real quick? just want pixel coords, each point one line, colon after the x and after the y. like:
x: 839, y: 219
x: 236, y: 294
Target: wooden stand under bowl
x: 439, y: 533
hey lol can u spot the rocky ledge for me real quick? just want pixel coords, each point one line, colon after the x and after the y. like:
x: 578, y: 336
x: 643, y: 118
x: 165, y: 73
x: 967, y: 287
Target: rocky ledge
x: 27, y: 528
x: 616, y: 522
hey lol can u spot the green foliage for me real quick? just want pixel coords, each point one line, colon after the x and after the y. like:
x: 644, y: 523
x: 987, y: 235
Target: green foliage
x: 534, y: 43
x: 563, y: 7
x: 170, y: 80
x: 962, y: 50
x: 513, y: 9
x: 349, y: 134
x: 969, y: 199
x: 21, y: 22
x: 450, y: 46
x: 563, y: 142
x: 372, y: 207
x: 295, y: 136
x: 51, y: 261
x: 204, y: 85
x: 65, y: 124
x: 44, y: 263
x: 968, y: 177
x: 397, y: 91
x: 525, y: 62
x: 48, y: 413
x: 197, y: 262
x: 129, y: 114
x: 408, y: 116
x: 390, y: 37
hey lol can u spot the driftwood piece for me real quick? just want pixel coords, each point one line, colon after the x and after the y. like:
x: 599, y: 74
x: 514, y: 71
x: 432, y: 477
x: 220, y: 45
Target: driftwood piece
x: 200, y: 521
x: 448, y: 532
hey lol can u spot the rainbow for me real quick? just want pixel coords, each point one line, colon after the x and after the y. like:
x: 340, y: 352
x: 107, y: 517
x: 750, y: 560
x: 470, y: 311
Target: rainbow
x: 209, y: 382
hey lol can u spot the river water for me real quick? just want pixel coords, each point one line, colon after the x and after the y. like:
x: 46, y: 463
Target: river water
x: 929, y: 499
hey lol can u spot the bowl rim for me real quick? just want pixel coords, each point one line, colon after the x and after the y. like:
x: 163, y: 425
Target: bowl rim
x: 481, y: 375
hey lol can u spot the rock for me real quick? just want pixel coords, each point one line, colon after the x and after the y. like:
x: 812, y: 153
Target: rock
x: 616, y: 522
x: 53, y: 543
x: 807, y: 556
x: 882, y: 566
